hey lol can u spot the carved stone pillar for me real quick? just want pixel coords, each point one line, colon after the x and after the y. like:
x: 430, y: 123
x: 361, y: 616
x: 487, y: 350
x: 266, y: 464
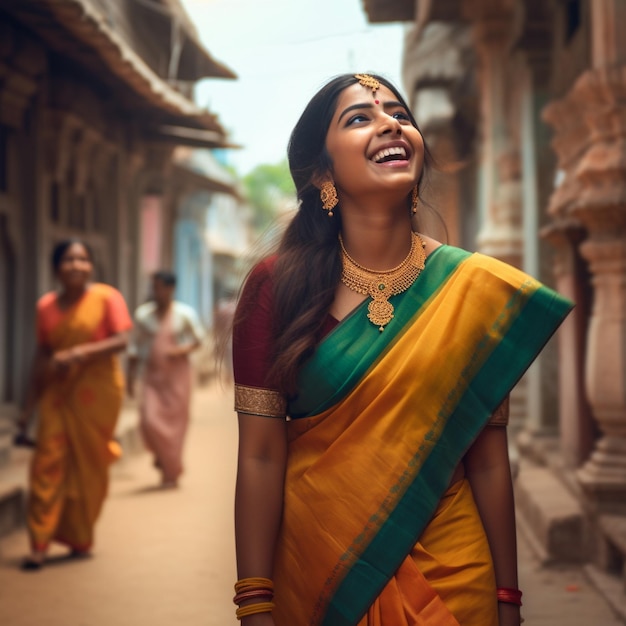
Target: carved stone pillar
x: 576, y: 427
x: 130, y: 165
x: 501, y: 234
x: 438, y: 74
x: 601, y: 207
x: 503, y: 237
x: 529, y: 65
x: 61, y: 131
x: 87, y: 149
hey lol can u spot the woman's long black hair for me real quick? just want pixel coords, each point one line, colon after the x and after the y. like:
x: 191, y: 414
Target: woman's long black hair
x: 308, y: 268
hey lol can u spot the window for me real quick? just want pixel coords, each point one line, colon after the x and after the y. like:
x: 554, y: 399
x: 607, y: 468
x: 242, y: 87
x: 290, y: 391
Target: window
x: 4, y: 159
x: 573, y: 18
x: 55, y: 202
x: 77, y: 212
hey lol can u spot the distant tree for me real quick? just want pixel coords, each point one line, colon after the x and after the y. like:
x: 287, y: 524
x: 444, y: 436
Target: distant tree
x: 268, y: 188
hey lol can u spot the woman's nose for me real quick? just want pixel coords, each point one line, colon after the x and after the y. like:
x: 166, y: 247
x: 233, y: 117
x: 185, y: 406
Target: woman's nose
x: 390, y: 125
x: 77, y: 263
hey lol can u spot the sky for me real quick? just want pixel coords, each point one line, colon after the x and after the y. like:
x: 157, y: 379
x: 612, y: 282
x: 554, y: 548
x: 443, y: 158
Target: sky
x: 283, y: 51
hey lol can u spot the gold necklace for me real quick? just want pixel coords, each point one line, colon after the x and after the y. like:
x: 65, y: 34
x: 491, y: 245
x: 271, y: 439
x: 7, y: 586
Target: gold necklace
x: 380, y: 286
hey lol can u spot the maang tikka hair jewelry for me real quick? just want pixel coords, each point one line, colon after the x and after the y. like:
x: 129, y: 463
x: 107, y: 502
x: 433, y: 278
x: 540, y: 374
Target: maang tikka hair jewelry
x: 380, y: 286
x: 369, y: 81
x: 328, y: 196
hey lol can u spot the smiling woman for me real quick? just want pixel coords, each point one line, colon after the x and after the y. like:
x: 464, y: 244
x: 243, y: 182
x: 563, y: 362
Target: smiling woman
x: 76, y: 386
x: 372, y: 370
x: 380, y: 129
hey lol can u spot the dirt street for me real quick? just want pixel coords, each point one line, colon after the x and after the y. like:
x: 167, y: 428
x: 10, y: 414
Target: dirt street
x: 166, y: 558
x: 161, y: 558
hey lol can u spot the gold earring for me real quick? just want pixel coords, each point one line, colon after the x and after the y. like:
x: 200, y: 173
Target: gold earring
x: 328, y: 195
x: 414, y: 200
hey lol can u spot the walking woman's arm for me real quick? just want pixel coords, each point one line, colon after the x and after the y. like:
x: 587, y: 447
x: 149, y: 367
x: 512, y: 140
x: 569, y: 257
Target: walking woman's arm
x: 259, y: 498
x: 488, y: 470
x: 85, y: 352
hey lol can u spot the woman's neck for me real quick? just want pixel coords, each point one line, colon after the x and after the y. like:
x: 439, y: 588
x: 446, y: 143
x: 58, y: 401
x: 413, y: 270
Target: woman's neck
x: 69, y: 295
x: 378, y: 241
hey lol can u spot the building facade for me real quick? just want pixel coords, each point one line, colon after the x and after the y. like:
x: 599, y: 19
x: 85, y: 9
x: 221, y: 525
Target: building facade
x: 95, y: 97
x: 212, y: 235
x: 528, y: 100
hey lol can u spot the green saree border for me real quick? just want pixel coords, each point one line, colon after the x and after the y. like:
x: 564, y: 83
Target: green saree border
x: 347, y: 353
x: 529, y: 332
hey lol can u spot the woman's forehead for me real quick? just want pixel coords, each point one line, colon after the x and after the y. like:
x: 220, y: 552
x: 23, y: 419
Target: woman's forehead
x: 358, y: 94
x: 76, y: 248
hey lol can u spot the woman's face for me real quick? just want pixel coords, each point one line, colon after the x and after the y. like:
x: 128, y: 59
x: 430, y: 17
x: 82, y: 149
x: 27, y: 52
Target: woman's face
x: 75, y: 267
x: 372, y: 143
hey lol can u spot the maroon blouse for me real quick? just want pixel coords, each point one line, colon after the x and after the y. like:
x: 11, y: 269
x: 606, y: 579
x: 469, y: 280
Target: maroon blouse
x: 252, y: 331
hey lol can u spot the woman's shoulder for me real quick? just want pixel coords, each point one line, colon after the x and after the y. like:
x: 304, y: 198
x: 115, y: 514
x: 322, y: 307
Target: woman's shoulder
x: 486, y: 263
x: 47, y: 300
x: 258, y: 286
x: 264, y: 268
x: 105, y: 290
x: 261, y: 273
x: 430, y: 244
x: 444, y: 250
x: 478, y: 264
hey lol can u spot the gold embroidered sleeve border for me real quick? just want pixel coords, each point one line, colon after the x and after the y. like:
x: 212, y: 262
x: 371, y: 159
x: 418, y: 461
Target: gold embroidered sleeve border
x: 257, y: 401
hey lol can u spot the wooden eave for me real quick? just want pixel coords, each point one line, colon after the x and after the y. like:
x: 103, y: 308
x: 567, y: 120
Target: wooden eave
x: 187, y: 136
x: 75, y: 29
x: 196, y: 61
x: 381, y: 11
x: 384, y: 11
x: 196, y: 180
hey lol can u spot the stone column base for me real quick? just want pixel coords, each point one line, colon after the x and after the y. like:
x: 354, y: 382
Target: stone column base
x: 551, y: 517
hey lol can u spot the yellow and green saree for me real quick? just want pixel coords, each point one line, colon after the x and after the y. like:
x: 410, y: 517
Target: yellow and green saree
x: 372, y: 533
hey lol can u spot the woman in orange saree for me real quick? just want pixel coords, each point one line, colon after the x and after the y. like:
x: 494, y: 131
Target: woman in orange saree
x: 77, y: 385
x: 384, y: 498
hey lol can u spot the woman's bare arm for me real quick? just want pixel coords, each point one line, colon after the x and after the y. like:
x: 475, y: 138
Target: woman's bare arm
x: 85, y: 352
x: 488, y: 470
x: 259, y: 497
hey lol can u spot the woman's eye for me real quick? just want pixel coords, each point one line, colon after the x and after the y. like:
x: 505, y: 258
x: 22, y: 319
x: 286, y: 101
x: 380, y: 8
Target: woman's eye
x: 402, y: 115
x: 356, y: 118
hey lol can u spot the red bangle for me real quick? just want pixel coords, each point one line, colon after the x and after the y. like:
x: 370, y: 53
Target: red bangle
x: 253, y: 593
x: 509, y: 595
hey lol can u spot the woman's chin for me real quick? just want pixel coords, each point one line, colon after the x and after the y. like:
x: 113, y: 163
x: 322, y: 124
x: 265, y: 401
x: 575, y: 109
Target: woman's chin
x: 75, y: 282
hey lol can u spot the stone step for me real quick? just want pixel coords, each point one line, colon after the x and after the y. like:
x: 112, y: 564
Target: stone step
x: 611, y: 587
x: 7, y: 431
x: 612, y: 546
x: 13, y: 482
x: 551, y: 517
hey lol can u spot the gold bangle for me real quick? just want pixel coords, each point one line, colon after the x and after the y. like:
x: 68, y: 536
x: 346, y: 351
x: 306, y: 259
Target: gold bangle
x: 245, y: 584
x: 253, y: 609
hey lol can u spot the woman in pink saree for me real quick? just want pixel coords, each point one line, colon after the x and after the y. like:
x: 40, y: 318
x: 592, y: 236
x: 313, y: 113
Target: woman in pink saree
x: 166, y: 333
